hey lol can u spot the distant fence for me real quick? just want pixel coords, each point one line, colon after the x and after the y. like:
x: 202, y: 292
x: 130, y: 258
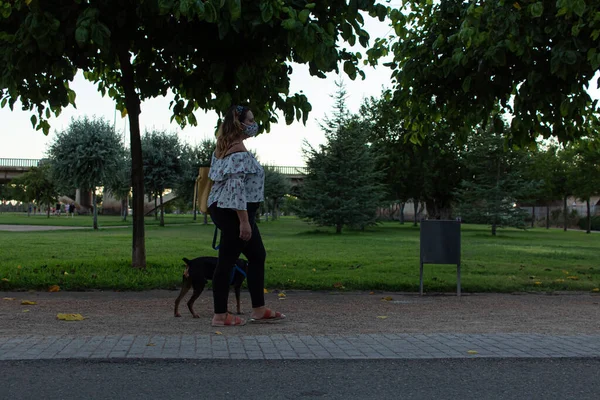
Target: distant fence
x: 19, y: 162
x: 289, y: 170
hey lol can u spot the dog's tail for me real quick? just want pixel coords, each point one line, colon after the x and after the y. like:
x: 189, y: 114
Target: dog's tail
x: 186, y: 261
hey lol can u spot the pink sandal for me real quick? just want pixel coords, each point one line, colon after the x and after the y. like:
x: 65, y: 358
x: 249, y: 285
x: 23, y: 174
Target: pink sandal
x: 268, y: 316
x: 231, y: 320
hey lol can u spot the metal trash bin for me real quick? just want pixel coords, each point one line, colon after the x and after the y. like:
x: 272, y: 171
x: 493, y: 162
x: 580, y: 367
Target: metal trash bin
x: 440, y: 244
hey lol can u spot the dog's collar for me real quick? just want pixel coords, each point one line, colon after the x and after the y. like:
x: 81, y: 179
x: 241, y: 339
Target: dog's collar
x: 238, y: 269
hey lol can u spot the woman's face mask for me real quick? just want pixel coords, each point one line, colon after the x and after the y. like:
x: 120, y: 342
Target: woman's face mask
x: 250, y: 129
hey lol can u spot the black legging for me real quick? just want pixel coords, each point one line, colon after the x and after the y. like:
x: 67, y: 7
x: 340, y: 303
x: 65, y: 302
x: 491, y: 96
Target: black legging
x: 230, y: 249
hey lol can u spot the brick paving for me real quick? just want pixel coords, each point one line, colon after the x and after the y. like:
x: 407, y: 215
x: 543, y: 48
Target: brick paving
x: 302, y: 347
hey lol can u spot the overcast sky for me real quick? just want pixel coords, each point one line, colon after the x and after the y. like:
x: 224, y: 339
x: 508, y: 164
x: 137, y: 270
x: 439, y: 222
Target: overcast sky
x: 282, y: 146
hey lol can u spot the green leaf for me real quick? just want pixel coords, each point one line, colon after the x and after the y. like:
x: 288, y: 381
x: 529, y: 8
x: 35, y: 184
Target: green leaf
x: 579, y: 7
x: 564, y: 108
x: 81, y: 36
x: 235, y: 9
x: 3, y: 103
x: 71, y: 94
x: 289, y: 24
x: 33, y: 120
x: 570, y: 57
x: 350, y: 69
x: 310, y: 6
x: 267, y: 13
x: 210, y: 14
x: 303, y: 16
x: 466, y: 85
x: 536, y: 9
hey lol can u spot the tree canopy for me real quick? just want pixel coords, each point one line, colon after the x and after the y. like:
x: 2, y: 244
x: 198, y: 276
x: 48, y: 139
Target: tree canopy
x: 209, y: 54
x: 457, y: 61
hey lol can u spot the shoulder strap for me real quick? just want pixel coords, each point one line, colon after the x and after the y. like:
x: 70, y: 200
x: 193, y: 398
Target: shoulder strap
x: 238, y: 148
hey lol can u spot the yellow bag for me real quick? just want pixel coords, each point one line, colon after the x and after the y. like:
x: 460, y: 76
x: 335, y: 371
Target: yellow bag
x: 203, y: 186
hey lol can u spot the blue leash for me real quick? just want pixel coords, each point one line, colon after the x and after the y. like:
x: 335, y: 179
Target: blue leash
x: 235, y: 268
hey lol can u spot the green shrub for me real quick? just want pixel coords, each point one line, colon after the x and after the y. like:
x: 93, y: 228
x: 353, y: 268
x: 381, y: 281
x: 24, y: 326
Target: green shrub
x: 595, y: 223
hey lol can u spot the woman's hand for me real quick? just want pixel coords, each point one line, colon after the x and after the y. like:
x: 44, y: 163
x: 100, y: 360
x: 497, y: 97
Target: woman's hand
x: 245, y: 231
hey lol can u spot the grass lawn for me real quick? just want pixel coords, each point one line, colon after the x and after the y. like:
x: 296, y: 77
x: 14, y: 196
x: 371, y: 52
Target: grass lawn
x: 87, y: 220
x: 300, y: 256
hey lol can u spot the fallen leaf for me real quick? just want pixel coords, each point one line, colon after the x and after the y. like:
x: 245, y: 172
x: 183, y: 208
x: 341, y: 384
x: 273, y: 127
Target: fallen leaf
x: 371, y: 292
x: 281, y: 295
x: 70, y: 317
x: 338, y: 285
x: 537, y: 282
x: 150, y: 344
x: 65, y: 273
x: 387, y: 298
x: 559, y: 280
x: 382, y: 316
x: 565, y: 272
x: 5, y: 280
x: 25, y: 310
x: 54, y: 288
x: 18, y: 267
x: 28, y: 303
x: 9, y: 298
x: 218, y: 333
x: 314, y: 270
x: 472, y: 352
x: 596, y: 289
x: 573, y: 278
x: 266, y: 290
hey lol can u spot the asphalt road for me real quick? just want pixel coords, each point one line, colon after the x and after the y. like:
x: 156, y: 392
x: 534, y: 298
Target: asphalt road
x: 332, y: 379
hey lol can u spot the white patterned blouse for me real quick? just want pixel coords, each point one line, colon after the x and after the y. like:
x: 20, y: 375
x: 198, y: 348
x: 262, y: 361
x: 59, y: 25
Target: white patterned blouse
x: 238, y: 180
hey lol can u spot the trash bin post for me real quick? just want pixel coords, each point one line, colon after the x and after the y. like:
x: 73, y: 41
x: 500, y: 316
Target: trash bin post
x: 440, y: 244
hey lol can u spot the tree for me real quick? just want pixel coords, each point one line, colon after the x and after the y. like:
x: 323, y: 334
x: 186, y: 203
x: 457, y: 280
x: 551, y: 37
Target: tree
x: 459, y: 60
x: 277, y: 186
x: 162, y: 165
x: 86, y: 155
x: 209, y: 54
x: 192, y: 158
x: 119, y: 184
x: 495, y: 182
x: 585, y: 176
x: 38, y: 185
x: 426, y: 170
x: 342, y: 186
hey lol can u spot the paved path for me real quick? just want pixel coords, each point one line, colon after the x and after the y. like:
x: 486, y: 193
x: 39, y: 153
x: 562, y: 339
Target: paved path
x: 303, y: 347
x: 321, y: 325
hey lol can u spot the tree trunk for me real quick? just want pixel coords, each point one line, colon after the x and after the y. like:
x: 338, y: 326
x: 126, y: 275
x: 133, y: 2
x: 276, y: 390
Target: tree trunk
x: 566, y: 219
x: 205, y: 218
x: 95, y: 208
x: 547, y: 217
x: 589, y: 216
x: 338, y: 228
x: 195, y: 205
x: 155, y: 211
x: 494, y: 226
x: 402, y: 205
x: 48, y: 211
x: 274, y: 210
x: 162, y: 211
x: 132, y: 102
x: 124, y: 207
x: 533, y: 217
x: 416, y: 208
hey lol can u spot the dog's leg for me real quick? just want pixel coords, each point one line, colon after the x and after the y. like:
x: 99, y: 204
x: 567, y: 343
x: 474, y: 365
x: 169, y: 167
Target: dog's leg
x: 198, y: 288
x: 185, y: 286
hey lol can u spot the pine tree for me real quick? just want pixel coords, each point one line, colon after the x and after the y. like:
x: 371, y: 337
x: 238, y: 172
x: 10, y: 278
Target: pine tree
x: 495, y: 182
x: 342, y: 186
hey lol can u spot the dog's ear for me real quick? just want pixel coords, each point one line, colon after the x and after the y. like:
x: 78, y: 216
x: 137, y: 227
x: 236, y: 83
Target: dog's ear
x: 186, y: 261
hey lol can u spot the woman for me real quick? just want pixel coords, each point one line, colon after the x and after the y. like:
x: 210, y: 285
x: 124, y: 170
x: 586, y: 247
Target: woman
x: 233, y: 202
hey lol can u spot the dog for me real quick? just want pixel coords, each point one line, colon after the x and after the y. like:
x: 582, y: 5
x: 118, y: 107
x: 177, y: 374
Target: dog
x: 198, y: 271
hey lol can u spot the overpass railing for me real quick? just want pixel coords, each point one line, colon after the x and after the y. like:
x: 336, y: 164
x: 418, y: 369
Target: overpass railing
x: 19, y: 162
x: 27, y: 162
x: 285, y: 170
